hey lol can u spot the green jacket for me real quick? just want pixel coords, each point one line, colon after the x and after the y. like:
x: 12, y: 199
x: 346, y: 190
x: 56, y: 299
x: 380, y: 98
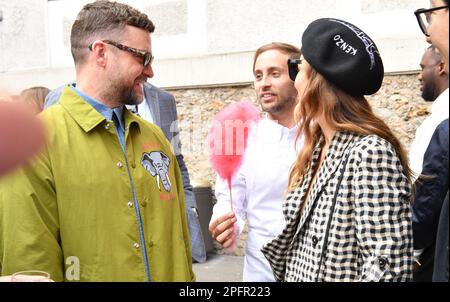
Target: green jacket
x: 74, y: 202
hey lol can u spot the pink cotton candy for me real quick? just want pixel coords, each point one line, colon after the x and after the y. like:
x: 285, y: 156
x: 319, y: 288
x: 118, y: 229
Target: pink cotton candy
x: 228, y: 138
x: 227, y: 141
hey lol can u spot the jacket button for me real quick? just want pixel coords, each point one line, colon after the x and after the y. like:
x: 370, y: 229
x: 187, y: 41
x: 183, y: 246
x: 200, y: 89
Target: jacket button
x: 130, y: 204
x: 136, y: 245
x: 150, y: 243
x: 315, y: 240
x: 119, y: 165
x: 107, y: 126
x: 382, y: 262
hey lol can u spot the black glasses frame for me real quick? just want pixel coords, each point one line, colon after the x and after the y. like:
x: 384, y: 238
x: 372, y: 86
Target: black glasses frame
x: 293, y: 68
x: 148, y: 57
x: 427, y: 13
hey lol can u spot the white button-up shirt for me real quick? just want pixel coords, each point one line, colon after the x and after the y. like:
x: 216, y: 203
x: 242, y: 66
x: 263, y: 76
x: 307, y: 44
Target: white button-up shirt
x: 439, y: 112
x: 144, y: 111
x: 258, y: 190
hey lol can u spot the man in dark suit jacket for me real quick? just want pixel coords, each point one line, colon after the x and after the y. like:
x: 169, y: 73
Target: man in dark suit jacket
x: 440, y: 273
x: 159, y: 108
x: 430, y: 209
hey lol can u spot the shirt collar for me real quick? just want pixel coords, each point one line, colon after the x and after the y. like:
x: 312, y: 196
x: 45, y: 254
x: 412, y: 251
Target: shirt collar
x: 86, y: 116
x: 441, y: 103
x: 278, y: 131
x: 104, y: 110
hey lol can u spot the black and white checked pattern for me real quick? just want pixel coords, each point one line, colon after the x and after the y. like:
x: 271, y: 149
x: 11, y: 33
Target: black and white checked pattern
x: 370, y: 236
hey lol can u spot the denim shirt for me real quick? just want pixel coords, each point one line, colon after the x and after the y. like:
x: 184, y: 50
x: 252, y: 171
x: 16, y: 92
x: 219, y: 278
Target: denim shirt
x: 107, y: 113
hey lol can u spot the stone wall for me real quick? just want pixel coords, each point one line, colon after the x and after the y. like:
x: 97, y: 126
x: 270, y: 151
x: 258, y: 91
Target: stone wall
x: 398, y: 103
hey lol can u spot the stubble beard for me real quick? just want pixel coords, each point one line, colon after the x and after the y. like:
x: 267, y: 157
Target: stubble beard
x: 122, y: 94
x: 130, y: 97
x: 279, y: 107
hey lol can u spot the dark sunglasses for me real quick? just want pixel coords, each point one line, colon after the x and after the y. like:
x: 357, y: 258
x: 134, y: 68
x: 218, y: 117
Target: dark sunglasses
x: 146, y: 55
x: 293, y: 68
x: 423, y: 16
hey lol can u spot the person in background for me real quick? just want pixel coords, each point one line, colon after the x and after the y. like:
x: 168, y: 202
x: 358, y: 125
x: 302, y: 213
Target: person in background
x: 105, y: 200
x: 261, y: 182
x: 347, y: 212
x: 34, y: 98
x: 430, y: 209
x: 434, y: 87
x: 434, y: 24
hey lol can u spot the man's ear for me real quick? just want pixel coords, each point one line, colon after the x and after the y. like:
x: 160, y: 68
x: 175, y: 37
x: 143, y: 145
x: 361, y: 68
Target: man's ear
x: 99, y: 51
x: 442, y: 68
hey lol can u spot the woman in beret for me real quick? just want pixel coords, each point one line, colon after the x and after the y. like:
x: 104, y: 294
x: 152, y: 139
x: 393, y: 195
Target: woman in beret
x: 348, y: 207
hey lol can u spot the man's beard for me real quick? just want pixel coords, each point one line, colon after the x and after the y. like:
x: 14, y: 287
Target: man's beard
x: 123, y: 95
x: 129, y: 97
x: 429, y: 92
x: 280, y: 107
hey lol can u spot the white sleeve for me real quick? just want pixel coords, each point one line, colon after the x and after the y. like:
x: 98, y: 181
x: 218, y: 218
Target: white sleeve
x: 222, y: 193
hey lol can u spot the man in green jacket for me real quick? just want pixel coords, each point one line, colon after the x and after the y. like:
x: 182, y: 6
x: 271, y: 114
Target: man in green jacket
x: 104, y: 201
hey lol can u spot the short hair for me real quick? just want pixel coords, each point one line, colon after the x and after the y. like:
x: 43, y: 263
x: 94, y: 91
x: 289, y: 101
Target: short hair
x: 292, y: 51
x: 103, y: 20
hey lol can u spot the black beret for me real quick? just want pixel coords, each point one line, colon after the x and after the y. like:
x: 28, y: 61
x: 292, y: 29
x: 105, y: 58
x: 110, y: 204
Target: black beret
x: 344, y: 55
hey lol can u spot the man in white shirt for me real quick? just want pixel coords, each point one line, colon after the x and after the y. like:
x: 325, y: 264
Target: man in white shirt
x: 434, y: 85
x: 260, y: 184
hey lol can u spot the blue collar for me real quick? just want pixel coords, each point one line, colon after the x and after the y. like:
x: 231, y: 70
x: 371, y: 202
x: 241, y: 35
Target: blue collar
x: 104, y: 110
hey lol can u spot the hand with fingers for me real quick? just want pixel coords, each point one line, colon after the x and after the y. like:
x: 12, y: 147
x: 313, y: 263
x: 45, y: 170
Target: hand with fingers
x: 224, y: 230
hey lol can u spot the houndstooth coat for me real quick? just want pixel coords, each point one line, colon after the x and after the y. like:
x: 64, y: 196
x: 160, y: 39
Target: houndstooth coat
x: 370, y: 234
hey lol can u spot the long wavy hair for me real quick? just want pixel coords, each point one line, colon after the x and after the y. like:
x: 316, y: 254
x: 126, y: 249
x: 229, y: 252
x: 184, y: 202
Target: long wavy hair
x: 343, y: 112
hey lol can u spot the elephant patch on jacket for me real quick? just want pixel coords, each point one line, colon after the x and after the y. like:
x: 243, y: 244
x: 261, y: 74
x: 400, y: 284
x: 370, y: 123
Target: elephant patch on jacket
x: 157, y: 164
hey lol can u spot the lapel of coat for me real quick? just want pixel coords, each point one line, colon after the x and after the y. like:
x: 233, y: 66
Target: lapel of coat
x: 152, y: 99
x: 336, y: 153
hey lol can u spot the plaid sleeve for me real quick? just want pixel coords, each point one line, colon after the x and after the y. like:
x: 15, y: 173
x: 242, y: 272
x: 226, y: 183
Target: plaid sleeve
x: 382, y: 214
